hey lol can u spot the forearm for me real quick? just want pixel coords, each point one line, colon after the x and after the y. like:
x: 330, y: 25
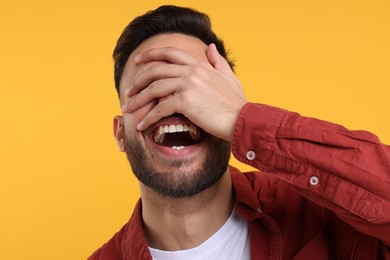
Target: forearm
x: 345, y: 171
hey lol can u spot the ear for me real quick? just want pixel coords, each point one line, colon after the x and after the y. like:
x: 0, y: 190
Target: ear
x: 118, y: 132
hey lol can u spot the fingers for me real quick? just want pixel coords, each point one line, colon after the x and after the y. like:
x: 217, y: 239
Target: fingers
x: 155, y: 78
x: 158, y: 63
x: 163, y: 109
x: 217, y: 61
x: 155, y: 91
x: 152, y: 73
x: 168, y: 54
x: 206, y: 90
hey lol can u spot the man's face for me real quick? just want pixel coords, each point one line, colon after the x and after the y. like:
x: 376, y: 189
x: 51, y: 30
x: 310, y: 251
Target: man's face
x: 174, y: 157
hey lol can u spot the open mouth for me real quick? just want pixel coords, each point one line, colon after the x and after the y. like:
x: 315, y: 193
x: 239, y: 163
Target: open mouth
x: 177, y: 136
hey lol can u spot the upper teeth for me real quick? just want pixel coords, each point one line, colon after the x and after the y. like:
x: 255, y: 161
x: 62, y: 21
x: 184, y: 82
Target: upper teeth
x: 162, y: 130
x: 175, y: 128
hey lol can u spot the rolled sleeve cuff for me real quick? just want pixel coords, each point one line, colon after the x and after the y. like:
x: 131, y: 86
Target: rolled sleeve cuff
x: 255, y: 134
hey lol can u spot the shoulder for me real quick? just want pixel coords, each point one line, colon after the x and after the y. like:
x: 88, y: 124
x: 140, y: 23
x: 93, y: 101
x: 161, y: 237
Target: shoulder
x: 112, y: 249
x: 128, y: 243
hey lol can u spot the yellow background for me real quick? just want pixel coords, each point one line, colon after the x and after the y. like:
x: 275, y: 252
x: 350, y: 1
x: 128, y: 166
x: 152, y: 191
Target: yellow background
x: 64, y: 187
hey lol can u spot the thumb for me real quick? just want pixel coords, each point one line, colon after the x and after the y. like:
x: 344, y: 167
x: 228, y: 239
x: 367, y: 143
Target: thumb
x: 216, y: 60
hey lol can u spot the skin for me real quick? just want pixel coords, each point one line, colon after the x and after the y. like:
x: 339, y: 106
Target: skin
x: 176, y: 73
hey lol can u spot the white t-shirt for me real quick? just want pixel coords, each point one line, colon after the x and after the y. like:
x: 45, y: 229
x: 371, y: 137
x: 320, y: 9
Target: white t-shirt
x: 230, y: 242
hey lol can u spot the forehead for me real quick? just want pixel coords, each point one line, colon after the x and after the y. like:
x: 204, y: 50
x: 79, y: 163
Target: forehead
x: 188, y: 43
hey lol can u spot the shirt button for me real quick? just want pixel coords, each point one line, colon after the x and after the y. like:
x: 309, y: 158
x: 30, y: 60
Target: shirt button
x: 314, y: 180
x: 250, y: 155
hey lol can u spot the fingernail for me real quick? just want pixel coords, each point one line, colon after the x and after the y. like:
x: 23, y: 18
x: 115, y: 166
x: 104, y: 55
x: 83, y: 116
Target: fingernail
x: 215, y: 47
x: 137, y: 58
x: 124, y: 107
x: 127, y: 91
x: 139, y: 126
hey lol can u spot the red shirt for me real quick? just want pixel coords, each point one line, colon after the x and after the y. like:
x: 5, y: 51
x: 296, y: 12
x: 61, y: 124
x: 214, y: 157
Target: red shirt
x: 322, y: 191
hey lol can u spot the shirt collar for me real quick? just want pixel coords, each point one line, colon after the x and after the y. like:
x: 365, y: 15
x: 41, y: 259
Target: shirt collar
x: 134, y: 244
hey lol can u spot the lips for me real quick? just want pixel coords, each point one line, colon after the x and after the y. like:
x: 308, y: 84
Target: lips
x: 177, y: 135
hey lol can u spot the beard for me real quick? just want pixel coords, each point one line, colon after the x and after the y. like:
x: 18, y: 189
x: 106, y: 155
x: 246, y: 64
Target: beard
x: 179, y: 182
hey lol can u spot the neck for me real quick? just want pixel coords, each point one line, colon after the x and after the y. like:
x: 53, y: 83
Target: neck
x: 175, y: 224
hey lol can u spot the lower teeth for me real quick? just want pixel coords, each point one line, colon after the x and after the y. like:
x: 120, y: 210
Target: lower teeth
x: 177, y: 147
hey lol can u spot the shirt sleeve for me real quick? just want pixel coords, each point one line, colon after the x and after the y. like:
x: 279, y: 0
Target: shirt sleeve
x: 345, y: 171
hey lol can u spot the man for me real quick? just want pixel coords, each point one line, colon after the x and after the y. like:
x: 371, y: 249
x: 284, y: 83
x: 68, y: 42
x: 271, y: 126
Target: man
x: 321, y: 192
